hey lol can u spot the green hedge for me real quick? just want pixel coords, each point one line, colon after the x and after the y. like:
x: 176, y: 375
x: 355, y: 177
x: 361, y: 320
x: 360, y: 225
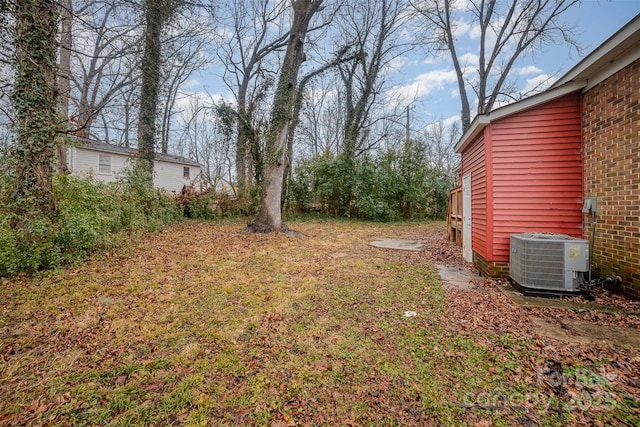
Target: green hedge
x: 396, y: 184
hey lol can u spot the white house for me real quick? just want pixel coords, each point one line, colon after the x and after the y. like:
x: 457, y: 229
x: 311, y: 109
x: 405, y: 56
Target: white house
x: 105, y: 162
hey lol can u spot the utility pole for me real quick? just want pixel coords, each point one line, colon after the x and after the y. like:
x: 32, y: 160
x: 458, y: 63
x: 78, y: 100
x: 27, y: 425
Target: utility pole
x: 407, y: 127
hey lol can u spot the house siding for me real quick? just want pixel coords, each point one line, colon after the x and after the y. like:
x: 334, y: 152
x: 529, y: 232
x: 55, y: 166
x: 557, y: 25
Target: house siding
x: 167, y: 175
x: 474, y: 162
x: 611, y: 120
x: 536, y: 173
x: 85, y: 162
x: 170, y: 175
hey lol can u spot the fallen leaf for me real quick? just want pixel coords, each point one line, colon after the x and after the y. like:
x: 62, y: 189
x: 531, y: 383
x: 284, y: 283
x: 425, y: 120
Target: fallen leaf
x: 121, y: 380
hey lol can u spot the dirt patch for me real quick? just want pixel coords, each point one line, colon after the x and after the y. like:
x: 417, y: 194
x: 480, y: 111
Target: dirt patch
x: 584, y: 332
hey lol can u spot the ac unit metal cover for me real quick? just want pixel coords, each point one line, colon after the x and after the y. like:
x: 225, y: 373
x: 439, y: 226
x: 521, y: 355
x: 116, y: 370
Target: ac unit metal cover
x: 548, y: 261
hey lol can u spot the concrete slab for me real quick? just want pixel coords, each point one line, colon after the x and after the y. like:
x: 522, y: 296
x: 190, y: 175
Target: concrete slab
x: 400, y: 244
x: 523, y: 301
x: 456, y: 277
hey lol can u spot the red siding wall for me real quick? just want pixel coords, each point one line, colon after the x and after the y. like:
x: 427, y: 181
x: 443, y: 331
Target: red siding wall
x: 612, y: 174
x: 473, y: 161
x: 536, y: 173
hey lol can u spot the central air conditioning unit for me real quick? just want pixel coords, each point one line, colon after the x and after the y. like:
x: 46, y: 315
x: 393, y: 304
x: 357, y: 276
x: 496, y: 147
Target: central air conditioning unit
x: 549, y: 262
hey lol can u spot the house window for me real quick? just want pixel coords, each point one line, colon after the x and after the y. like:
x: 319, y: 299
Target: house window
x: 185, y: 172
x: 104, y: 164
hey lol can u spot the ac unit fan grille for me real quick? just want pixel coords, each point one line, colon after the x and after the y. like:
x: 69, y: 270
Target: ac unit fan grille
x: 538, y: 264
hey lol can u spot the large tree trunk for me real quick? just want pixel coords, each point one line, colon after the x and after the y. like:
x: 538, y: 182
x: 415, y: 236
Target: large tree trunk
x: 34, y: 100
x: 242, y: 138
x: 149, y: 94
x: 269, y: 215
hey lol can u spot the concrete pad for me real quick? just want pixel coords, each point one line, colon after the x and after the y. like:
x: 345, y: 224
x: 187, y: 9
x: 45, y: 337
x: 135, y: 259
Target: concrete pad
x: 401, y: 244
x: 538, y: 302
x: 456, y: 277
x: 585, y: 332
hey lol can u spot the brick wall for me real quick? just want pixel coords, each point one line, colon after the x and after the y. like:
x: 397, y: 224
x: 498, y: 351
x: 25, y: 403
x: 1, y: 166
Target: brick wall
x: 495, y: 269
x: 611, y: 123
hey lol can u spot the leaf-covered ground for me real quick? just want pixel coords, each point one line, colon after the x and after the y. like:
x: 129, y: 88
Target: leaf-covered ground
x: 202, y: 324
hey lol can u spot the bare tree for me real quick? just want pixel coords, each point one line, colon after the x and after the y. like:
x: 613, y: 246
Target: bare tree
x: 375, y: 28
x: 508, y: 29
x: 314, y: 120
x: 373, y: 31
x: 184, y: 53
x: 440, y: 141
x: 257, y: 31
x: 64, y: 77
x: 208, y: 137
x: 321, y: 121
x: 269, y: 215
x: 104, y: 60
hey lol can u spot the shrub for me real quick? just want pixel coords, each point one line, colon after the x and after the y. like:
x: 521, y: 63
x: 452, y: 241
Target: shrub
x: 88, y: 214
x: 25, y: 245
x: 396, y: 184
x: 197, y: 204
x: 147, y: 208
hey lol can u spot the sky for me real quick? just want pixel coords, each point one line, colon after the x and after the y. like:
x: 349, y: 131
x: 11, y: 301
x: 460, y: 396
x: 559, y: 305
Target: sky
x: 429, y: 84
x: 595, y: 21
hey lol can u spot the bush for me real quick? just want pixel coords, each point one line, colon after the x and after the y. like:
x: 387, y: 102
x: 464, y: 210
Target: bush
x: 397, y: 184
x: 147, y: 208
x: 26, y: 245
x: 88, y: 215
x: 197, y: 204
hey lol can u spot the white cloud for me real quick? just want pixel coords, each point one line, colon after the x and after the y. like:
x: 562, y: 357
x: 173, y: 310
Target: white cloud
x: 191, y: 83
x: 531, y: 69
x: 395, y: 64
x: 538, y: 83
x: 533, y: 85
x: 475, y: 32
x: 423, y: 84
x: 441, y: 123
x: 469, y: 60
x: 461, y: 28
x: 451, y: 120
x: 437, y: 57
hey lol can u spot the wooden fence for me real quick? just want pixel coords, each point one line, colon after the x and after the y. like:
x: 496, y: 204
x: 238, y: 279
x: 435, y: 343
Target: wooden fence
x: 454, y: 215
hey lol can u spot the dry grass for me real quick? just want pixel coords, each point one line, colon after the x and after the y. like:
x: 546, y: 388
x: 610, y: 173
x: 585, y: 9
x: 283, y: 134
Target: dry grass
x: 204, y: 325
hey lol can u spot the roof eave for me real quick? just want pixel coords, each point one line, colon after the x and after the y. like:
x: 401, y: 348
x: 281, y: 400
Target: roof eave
x: 477, y: 126
x: 130, y: 152
x: 624, y: 39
